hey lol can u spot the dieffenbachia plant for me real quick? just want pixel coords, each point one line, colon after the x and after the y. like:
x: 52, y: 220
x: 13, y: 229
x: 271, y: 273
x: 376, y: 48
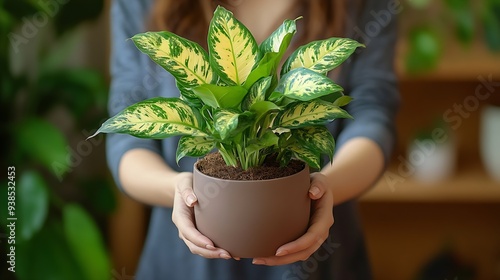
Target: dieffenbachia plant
x: 233, y: 99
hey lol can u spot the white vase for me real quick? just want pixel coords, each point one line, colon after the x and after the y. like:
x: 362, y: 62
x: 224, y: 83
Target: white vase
x: 490, y: 140
x: 432, y: 162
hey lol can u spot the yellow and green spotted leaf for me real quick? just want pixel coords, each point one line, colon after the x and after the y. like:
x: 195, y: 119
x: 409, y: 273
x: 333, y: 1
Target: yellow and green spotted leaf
x: 228, y: 122
x: 233, y: 49
x: 316, y: 138
x: 185, y: 60
x: 321, y: 56
x: 280, y: 38
x: 156, y: 118
x: 309, y: 113
x: 304, y: 84
x: 311, y: 157
x: 257, y: 92
x: 193, y: 146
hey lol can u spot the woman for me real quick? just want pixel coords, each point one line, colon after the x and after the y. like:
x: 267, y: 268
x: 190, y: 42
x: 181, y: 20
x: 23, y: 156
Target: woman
x: 146, y: 169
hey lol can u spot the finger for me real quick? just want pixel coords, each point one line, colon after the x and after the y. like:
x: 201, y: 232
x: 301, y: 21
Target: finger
x: 185, y: 189
x: 207, y: 253
x: 188, y: 231
x: 318, y: 185
x: 275, y: 260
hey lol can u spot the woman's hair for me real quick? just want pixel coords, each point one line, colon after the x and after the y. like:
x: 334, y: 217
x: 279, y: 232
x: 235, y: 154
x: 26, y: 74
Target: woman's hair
x: 190, y: 18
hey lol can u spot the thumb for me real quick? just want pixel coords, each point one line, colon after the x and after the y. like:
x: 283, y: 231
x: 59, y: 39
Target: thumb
x: 318, y: 185
x: 185, y: 188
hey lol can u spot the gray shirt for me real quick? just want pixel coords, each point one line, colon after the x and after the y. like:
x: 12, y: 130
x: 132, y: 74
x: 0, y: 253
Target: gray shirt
x: 368, y: 77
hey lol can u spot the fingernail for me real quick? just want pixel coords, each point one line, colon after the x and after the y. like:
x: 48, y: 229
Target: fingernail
x: 258, y: 261
x: 314, y: 191
x: 191, y: 199
x: 236, y: 258
x: 209, y: 247
x: 281, y: 253
x: 225, y: 256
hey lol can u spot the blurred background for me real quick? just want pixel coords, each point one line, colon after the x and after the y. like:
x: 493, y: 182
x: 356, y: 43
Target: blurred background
x: 435, y: 214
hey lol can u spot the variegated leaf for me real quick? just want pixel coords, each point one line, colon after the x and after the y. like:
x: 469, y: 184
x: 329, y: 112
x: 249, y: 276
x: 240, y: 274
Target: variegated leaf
x: 321, y: 56
x: 268, y: 139
x: 193, y: 146
x: 312, y: 158
x: 304, y: 84
x: 185, y: 60
x: 280, y: 38
x: 227, y: 122
x: 156, y: 118
x: 257, y: 92
x: 316, y: 138
x: 266, y: 67
x: 233, y: 49
x: 310, y: 113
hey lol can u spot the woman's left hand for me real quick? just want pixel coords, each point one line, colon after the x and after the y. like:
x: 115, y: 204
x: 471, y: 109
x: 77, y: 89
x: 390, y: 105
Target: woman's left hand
x: 318, y: 231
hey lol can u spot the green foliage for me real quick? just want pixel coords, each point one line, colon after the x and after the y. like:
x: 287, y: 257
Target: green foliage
x: 233, y: 98
x: 31, y: 97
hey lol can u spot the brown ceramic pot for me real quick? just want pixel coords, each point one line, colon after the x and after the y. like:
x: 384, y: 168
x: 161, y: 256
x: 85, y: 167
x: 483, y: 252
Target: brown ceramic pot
x: 252, y: 218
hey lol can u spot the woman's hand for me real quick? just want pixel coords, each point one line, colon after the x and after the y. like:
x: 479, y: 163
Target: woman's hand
x: 319, y: 227
x: 183, y: 218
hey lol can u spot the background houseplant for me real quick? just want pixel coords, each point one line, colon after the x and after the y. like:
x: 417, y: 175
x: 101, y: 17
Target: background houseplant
x: 233, y: 99
x: 48, y: 99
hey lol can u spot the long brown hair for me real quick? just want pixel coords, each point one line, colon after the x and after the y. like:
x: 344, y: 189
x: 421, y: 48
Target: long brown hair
x: 190, y: 18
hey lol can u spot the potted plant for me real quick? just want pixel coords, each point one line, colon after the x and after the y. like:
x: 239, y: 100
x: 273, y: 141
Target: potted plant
x: 233, y: 100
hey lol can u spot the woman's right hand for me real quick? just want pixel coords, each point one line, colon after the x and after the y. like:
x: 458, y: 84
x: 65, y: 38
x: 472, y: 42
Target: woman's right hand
x: 183, y: 218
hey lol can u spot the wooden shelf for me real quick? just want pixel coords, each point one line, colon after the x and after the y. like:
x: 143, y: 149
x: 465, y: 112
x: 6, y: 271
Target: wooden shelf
x: 456, y: 63
x: 471, y: 185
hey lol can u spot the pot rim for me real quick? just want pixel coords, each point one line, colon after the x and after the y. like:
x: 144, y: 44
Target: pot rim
x: 195, y: 169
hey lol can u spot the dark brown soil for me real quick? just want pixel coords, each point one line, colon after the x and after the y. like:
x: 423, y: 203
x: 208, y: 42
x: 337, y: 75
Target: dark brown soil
x: 213, y: 165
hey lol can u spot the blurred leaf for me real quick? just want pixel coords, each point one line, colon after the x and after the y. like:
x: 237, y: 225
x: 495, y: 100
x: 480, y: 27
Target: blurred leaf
x: 43, y: 142
x: 47, y: 256
x: 101, y: 193
x: 3, y: 201
x: 32, y: 203
x: 79, y: 89
x: 20, y: 8
x: 86, y: 242
x: 75, y: 11
x: 491, y: 21
x: 462, y: 13
x: 425, y: 50
x: 419, y: 4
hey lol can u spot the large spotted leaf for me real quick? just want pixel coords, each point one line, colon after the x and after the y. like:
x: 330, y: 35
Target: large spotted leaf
x: 233, y: 49
x: 280, y: 38
x: 185, y: 60
x: 156, y: 118
x: 316, y: 138
x: 321, y: 56
x: 311, y: 157
x: 193, y: 146
x: 304, y: 84
x: 301, y: 114
x: 257, y: 92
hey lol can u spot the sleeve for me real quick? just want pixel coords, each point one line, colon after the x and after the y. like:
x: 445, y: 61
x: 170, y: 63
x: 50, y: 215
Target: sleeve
x: 127, y: 77
x: 370, y: 78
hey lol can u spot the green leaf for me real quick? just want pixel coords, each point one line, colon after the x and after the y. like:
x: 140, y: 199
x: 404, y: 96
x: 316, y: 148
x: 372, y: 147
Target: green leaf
x: 221, y: 96
x: 266, y: 67
x: 48, y: 256
x: 193, y: 147
x: 425, y: 50
x: 233, y: 49
x: 156, y: 118
x: 309, y: 113
x: 316, y: 138
x: 268, y: 139
x: 262, y: 108
x: 86, y: 243
x: 257, y: 92
x: 491, y: 23
x: 43, y: 142
x: 229, y: 121
x: 312, y: 158
x: 304, y: 84
x: 185, y: 60
x: 32, y: 204
x: 321, y: 56
x: 342, y: 100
